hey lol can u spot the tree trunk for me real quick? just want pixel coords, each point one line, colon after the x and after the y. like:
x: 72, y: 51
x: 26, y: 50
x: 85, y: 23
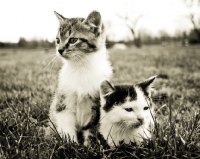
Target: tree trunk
x: 196, y: 29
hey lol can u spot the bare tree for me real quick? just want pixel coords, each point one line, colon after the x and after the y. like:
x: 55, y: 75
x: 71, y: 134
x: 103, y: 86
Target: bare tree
x: 130, y: 23
x: 131, y: 19
x: 193, y: 16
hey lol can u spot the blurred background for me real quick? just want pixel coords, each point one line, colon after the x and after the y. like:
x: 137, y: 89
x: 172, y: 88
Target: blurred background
x: 27, y: 23
x: 144, y: 38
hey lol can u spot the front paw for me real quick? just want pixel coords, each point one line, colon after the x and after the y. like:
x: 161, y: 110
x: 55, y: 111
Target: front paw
x: 69, y: 138
x: 87, y: 142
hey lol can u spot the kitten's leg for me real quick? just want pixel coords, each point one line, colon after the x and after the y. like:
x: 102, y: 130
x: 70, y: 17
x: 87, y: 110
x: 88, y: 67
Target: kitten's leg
x: 88, y: 115
x: 88, y: 135
x: 51, y: 129
x: 66, y: 122
x: 62, y: 117
x: 90, y: 130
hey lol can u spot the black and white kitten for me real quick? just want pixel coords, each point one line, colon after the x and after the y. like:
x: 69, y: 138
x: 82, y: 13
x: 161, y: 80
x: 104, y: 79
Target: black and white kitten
x: 126, y: 112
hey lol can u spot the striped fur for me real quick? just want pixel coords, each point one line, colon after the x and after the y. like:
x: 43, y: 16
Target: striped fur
x: 81, y: 46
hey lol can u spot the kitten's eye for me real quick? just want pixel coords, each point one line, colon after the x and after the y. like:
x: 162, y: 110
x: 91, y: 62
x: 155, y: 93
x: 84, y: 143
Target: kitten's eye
x: 146, y: 108
x: 57, y: 40
x: 128, y: 109
x: 73, y: 40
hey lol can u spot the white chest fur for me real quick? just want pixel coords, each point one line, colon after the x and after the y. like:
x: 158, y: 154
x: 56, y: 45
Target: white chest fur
x: 84, y: 77
x: 78, y: 82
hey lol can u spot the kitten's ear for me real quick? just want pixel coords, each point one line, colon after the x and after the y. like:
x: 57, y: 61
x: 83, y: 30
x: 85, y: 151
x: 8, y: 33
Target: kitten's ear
x: 147, y: 85
x: 59, y: 16
x: 106, y: 88
x: 94, y: 20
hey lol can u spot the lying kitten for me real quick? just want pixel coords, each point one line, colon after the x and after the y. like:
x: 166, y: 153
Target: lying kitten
x: 126, y: 112
x: 80, y: 44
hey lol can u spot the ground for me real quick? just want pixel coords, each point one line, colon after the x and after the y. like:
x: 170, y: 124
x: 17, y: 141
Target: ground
x: 28, y: 80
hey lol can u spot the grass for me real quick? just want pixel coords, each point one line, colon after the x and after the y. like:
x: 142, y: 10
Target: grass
x: 27, y: 86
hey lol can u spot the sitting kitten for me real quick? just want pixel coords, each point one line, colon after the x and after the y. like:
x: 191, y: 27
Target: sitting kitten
x: 81, y: 45
x: 126, y: 112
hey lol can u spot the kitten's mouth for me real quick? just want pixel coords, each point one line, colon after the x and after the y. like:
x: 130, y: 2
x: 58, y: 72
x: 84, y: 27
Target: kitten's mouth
x: 67, y: 54
x: 132, y: 125
x: 137, y: 125
x: 71, y: 54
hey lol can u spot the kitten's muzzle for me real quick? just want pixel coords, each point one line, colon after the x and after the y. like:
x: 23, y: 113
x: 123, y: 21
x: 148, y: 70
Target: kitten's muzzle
x: 61, y: 51
x: 141, y: 120
x: 139, y: 123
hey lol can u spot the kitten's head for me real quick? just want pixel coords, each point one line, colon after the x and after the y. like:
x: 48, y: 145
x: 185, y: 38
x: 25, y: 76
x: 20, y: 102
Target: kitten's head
x: 79, y: 36
x: 127, y: 105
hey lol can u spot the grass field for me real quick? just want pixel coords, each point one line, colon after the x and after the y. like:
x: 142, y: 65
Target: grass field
x: 27, y: 84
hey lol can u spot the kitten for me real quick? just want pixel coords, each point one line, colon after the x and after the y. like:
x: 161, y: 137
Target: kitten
x: 80, y: 44
x: 126, y: 112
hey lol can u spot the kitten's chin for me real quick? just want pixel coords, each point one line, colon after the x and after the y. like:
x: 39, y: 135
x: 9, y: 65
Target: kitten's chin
x: 137, y: 125
x: 130, y: 125
x: 65, y: 56
x: 134, y: 125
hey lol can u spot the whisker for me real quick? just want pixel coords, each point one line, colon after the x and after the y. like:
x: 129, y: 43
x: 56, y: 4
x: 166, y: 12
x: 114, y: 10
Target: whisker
x: 121, y: 126
x: 54, y: 61
x: 103, y: 117
x: 50, y: 62
x: 76, y: 65
x: 49, y: 56
x: 76, y: 62
x: 84, y: 62
x: 80, y: 62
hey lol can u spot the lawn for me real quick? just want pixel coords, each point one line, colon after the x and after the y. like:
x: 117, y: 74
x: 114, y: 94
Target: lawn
x: 28, y: 80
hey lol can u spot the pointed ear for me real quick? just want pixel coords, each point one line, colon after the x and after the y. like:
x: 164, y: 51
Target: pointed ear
x: 106, y: 88
x: 59, y: 16
x: 147, y: 85
x: 94, y: 19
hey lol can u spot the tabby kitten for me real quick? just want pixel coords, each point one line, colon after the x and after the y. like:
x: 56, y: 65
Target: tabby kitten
x: 126, y: 112
x: 80, y: 43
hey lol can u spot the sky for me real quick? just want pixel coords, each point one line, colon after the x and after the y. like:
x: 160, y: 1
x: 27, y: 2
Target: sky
x: 35, y: 19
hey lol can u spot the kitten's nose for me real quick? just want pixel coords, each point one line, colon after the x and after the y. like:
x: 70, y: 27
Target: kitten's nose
x: 141, y: 120
x: 61, y: 51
